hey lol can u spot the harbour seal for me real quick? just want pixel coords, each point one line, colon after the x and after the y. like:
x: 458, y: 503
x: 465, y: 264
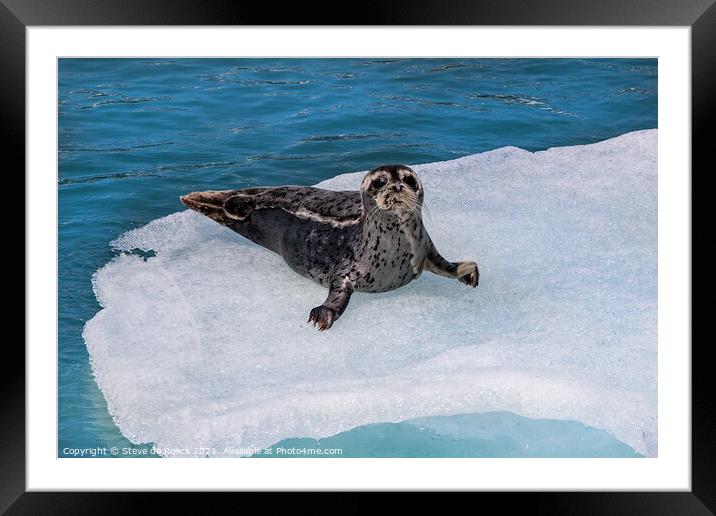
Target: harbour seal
x: 372, y: 240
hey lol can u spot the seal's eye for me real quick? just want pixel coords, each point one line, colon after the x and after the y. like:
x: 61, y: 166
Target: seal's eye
x: 378, y: 183
x: 411, y: 182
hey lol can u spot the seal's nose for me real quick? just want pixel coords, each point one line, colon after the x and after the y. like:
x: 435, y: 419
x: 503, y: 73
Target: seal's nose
x: 397, y: 187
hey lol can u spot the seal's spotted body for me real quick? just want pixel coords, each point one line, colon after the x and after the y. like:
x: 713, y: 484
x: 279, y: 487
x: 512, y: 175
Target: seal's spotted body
x: 368, y: 241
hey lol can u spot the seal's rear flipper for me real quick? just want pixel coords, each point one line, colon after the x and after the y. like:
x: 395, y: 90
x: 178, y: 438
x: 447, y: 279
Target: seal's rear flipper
x: 225, y: 206
x: 209, y: 203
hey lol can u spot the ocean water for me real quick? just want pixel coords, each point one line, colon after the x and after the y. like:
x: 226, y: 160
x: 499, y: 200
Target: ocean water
x: 489, y: 434
x: 135, y: 134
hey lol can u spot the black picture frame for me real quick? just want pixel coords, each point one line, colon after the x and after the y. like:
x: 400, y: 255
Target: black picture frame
x: 17, y: 15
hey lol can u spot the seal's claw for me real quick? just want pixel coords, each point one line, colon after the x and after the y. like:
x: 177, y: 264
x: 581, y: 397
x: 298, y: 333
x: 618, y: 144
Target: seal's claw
x: 469, y: 274
x: 322, y: 317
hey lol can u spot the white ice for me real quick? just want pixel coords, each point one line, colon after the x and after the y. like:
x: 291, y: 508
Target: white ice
x: 206, y: 343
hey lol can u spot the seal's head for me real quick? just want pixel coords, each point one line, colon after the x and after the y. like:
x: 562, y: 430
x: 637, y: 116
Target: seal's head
x: 393, y: 189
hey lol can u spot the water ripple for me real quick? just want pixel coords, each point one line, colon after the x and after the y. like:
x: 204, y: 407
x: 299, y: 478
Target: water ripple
x: 381, y: 61
x: 273, y: 157
x: 128, y: 148
x: 447, y: 67
x: 338, y: 137
x: 125, y: 100
x: 507, y: 98
x: 154, y: 172
x: 416, y: 100
x: 642, y: 91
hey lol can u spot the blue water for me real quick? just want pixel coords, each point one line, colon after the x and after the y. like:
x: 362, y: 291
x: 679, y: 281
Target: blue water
x: 134, y: 134
x: 490, y: 434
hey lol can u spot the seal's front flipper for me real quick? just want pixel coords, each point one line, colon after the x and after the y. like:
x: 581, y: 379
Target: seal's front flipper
x: 333, y: 307
x: 468, y: 273
x: 323, y: 317
x: 465, y: 272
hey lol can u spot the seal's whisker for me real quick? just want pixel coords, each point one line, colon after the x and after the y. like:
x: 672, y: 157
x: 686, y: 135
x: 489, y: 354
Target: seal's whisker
x: 412, y: 199
x: 377, y: 217
x: 427, y: 212
x: 413, y: 204
x: 375, y: 213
